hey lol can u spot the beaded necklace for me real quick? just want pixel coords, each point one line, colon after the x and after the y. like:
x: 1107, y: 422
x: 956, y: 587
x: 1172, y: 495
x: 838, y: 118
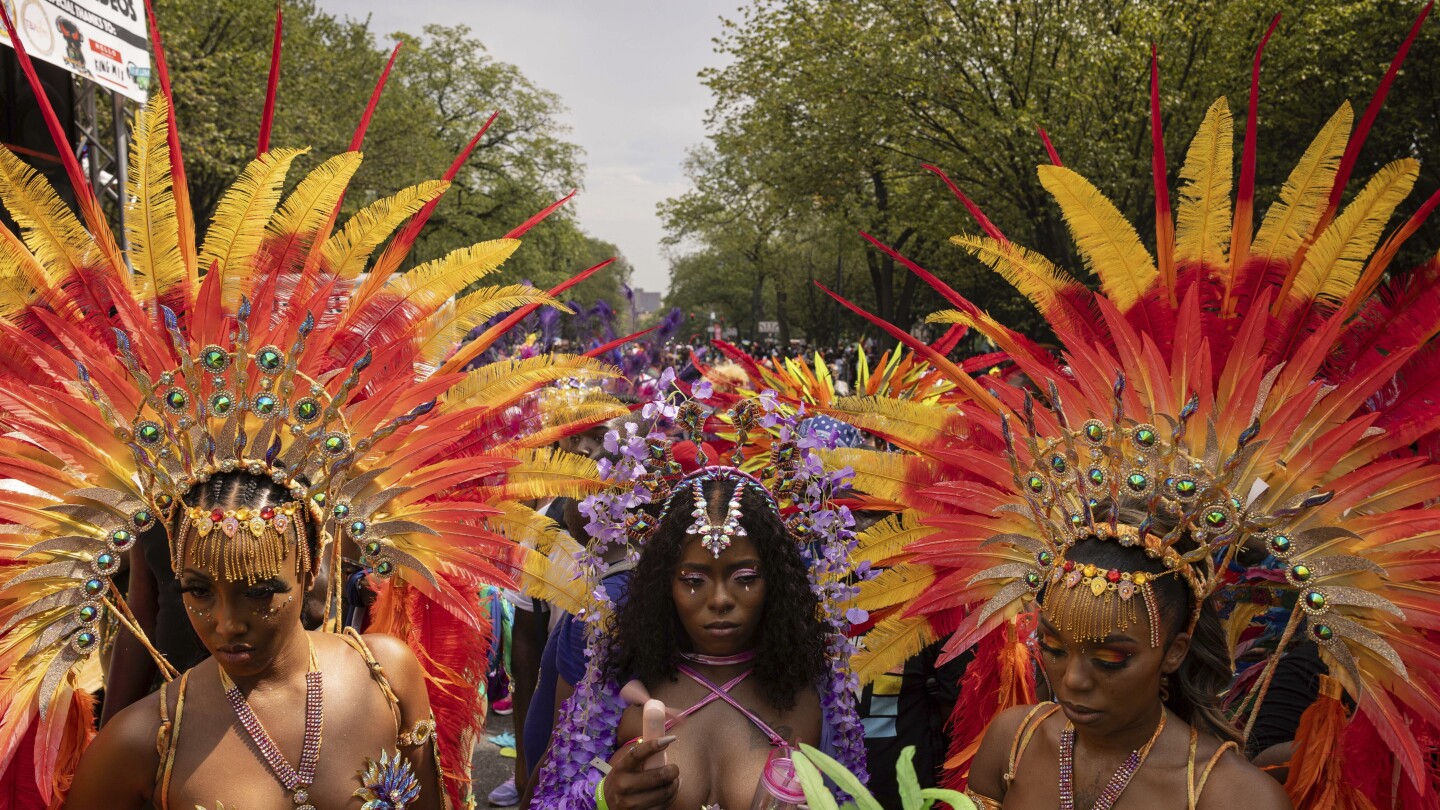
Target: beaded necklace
x: 296, y: 780
x: 1118, y: 782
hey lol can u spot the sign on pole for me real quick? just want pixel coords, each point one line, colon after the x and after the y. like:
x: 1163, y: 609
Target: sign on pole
x: 105, y: 41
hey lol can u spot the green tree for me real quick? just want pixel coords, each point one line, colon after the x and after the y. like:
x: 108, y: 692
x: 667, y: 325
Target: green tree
x: 836, y: 106
x: 443, y: 88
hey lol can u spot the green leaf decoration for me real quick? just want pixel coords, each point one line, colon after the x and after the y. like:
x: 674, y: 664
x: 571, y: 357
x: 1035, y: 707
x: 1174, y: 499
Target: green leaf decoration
x: 842, y: 778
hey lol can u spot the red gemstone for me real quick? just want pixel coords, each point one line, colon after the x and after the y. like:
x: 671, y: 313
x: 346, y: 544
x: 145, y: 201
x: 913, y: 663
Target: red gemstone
x: 1069, y: 565
x: 217, y: 515
x: 1112, y: 575
x: 268, y: 512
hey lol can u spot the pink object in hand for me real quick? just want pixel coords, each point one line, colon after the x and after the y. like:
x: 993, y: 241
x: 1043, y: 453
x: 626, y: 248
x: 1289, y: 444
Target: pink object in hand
x: 652, y: 726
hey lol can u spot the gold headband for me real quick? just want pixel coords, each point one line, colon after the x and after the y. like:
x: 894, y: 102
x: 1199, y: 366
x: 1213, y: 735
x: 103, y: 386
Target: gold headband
x: 243, y: 543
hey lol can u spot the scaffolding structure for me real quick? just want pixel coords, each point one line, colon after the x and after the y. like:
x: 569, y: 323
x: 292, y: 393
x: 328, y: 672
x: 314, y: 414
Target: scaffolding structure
x: 102, y: 144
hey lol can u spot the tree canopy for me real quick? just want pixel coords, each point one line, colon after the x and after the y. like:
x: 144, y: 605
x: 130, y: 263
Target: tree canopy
x: 443, y: 88
x: 825, y: 113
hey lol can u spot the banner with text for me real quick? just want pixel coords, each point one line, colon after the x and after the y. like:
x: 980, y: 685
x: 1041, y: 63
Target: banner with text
x: 105, y: 41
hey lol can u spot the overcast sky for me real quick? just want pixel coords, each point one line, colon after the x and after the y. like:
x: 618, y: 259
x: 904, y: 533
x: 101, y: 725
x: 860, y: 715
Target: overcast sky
x: 626, y: 69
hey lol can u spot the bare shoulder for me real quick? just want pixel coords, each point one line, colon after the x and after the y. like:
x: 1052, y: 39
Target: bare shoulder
x: 119, y: 766
x: 400, y: 666
x: 1235, y: 782
x: 992, y: 760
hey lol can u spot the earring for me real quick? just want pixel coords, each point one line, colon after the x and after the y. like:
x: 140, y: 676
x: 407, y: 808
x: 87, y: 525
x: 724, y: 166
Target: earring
x: 1164, y: 687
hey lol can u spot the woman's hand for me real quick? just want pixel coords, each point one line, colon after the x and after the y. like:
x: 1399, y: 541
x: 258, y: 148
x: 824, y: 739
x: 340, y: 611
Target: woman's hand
x: 630, y: 786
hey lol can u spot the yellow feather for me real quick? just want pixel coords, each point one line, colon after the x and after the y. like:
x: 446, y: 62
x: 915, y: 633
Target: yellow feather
x: 433, y: 283
x: 909, y: 423
x: 889, y: 644
x: 1027, y: 271
x: 150, y: 221
x: 347, y: 252
x: 895, y: 586
x: 307, y: 216
x: 1334, y: 263
x: 499, y: 384
x: 22, y: 279
x: 1306, y: 192
x: 890, y: 537
x: 48, y: 226
x: 558, y: 421
x: 238, y: 227
x: 439, y: 334
x: 547, y: 473
x: 1202, y: 227
x: 1107, y: 241
x: 554, y: 578
x: 894, y: 477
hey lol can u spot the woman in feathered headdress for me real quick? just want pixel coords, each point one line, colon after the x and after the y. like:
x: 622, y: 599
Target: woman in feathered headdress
x: 275, y: 403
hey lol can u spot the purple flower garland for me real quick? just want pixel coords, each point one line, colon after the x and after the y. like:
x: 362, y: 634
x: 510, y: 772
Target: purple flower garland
x: 586, y: 732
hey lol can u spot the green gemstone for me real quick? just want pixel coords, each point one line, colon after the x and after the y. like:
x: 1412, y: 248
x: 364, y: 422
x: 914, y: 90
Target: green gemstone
x: 214, y: 360
x: 1057, y: 463
x: 306, y: 410
x: 89, y: 613
x: 342, y: 510
x: 385, y: 568
x: 372, y: 548
x: 94, y: 587
x: 121, y: 538
x: 84, y: 639
x: 1216, y: 519
x: 1032, y: 579
x: 1315, y: 600
x: 1323, y: 632
x: 1036, y: 484
x: 1097, y: 476
x: 142, y: 518
x: 176, y: 399
x: 1145, y: 437
x: 1045, y: 557
x: 1076, y: 521
x: 269, y: 359
x: 265, y: 405
x: 163, y: 500
x: 149, y: 433
x: 319, y: 498
x: 1280, y: 544
x: 1094, y: 432
x: 1137, y: 482
x: 221, y: 404
x: 1301, y: 572
x: 358, y: 528
x: 104, y: 559
x: 334, y: 444
x: 1185, y: 487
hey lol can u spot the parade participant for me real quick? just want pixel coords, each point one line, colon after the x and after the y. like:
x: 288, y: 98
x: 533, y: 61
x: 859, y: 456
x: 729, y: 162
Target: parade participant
x: 276, y: 398
x: 733, y: 621
x: 1240, y: 387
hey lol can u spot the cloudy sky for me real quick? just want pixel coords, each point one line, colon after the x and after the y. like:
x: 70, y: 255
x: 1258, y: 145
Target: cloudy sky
x: 626, y: 69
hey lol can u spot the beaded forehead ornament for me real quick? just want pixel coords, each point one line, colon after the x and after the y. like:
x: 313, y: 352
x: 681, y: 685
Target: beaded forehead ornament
x: 1073, y: 483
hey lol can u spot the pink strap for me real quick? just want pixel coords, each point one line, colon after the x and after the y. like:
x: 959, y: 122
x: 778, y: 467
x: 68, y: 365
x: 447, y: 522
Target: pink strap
x: 723, y: 693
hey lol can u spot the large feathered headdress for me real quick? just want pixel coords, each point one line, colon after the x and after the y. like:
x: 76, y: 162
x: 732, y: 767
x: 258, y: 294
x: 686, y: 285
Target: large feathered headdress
x: 1277, y: 390
x: 279, y: 345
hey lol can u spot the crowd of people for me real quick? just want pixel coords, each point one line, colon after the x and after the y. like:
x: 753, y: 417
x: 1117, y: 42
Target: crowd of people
x: 264, y: 494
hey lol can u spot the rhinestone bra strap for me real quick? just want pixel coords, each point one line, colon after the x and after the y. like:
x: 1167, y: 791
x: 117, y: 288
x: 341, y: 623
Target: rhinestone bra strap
x: 1025, y: 733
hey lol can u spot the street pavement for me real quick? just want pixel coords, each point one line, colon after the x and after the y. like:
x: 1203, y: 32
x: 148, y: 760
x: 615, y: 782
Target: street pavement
x: 490, y: 769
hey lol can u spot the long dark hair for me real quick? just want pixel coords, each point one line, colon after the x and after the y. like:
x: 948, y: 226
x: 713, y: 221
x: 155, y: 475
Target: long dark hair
x: 647, y: 636
x: 1198, y: 687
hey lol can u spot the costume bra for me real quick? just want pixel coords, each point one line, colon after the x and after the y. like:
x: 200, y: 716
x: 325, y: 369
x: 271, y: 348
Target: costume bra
x: 1044, y: 711
x: 167, y: 739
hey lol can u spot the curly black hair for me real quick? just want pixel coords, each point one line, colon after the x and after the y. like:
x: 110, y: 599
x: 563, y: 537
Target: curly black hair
x: 647, y: 637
